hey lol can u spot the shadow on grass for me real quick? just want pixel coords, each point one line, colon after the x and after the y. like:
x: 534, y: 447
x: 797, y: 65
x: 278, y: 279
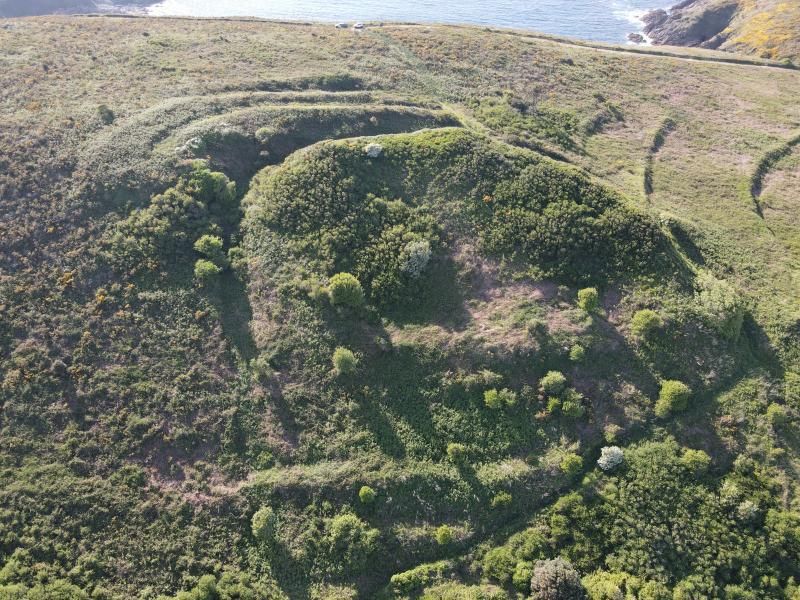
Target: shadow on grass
x: 235, y: 315
x: 441, y: 300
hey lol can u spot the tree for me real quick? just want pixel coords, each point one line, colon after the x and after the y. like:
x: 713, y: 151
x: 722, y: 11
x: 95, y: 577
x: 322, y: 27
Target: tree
x: 556, y: 580
x: 344, y: 361
x: 645, y: 323
x: 674, y: 397
x: 588, y: 299
x: 346, y: 290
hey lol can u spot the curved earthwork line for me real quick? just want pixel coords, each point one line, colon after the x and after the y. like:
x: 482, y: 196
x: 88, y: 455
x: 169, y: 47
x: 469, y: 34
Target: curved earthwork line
x: 659, y: 138
x: 764, y: 166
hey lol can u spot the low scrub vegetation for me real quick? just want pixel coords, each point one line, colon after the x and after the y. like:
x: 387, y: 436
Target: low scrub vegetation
x: 391, y: 319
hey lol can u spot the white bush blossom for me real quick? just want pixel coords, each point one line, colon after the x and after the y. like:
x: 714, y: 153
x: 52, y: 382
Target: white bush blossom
x: 418, y: 255
x: 610, y: 458
x: 373, y: 150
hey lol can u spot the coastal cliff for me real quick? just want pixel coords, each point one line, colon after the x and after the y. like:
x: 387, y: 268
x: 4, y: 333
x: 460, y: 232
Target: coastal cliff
x: 767, y: 28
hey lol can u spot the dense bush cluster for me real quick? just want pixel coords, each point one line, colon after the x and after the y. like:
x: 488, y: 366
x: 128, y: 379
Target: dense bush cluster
x: 194, y: 213
x: 342, y: 222
x: 660, y: 526
x: 567, y: 227
x: 556, y: 580
x: 350, y: 213
x: 230, y: 586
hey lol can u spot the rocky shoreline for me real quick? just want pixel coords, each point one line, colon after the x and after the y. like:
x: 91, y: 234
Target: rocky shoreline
x: 699, y: 23
x: 27, y: 8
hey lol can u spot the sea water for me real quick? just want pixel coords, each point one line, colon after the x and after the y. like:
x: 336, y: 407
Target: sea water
x: 600, y: 20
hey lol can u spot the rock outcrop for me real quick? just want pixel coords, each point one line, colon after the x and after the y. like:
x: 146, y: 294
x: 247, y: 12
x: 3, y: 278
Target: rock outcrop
x: 692, y: 23
x: 767, y: 28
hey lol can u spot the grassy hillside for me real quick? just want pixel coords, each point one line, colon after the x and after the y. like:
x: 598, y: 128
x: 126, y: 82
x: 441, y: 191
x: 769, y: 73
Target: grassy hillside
x: 417, y: 312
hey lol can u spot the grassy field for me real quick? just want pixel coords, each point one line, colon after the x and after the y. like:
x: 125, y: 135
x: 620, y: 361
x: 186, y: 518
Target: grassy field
x: 190, y: 405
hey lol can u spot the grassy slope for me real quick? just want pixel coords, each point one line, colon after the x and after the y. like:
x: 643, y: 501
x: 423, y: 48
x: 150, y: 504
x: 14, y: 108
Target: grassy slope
x: 65, y: 177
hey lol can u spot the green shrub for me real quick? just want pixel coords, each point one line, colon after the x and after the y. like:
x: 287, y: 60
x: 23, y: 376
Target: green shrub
x: 674, y: 397
x: 521, y: 578
x: 237, y: 259
x: 603, y: 585
x: 344, y: 361
x: 645, y: 323
x: 210, y: 246
x: 588, y: 300
x: 346, y: 290
x: 721, y: 305
x: 499, y: 398
x: 654, y: 590
x: 696, y: 461
x: 161, y: 233
x: 567, y: 227
x: 611, y: 432
x: 554, y: 404
x: 456, y: 452
x: 444, y: 535
x: 501, y: 500
x: 572, y: 404
x: 553, y: 383
x: 571, y: 464
x: 262, y: 524
x: 777, y: 415
x: 577, y: 353
x: 232, y: 584
x: 419, y: 577
x: 348, y: 543
x: 366, y: 495
x: 261, y: 368
x: 499, y: 564
x: 205, y: 272
x: 556, y: 580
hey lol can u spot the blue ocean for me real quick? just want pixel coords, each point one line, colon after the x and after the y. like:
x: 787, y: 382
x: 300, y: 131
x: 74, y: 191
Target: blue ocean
x: 600, y: 20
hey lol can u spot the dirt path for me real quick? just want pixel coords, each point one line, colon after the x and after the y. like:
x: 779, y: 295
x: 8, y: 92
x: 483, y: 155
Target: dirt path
x: 673, y: 52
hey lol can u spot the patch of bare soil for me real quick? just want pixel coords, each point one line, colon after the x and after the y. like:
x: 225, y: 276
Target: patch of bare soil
x: 500, y: 313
